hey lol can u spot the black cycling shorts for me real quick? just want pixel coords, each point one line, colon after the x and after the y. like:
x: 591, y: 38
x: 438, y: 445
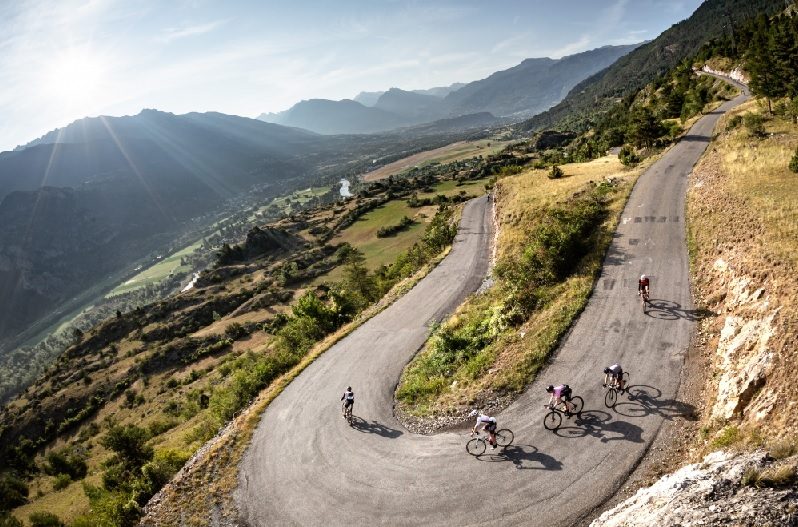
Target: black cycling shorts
x: 490, y: 427
x: 348, y: 402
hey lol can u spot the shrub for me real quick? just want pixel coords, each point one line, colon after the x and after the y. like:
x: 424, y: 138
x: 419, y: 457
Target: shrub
x: 13, y: 492
x: 61, y: 481
x: 235, y: 331
x: 555, y: 172
x: 755, y: 124
x: 6, y: 520
x: 794, y: 162
x: 66, y: 462
x: 45, y: 519
x: 727, y: 437
x: 734, y: 122
x: 628, y: 156
x: 129, y: 444
x: 391, y: 230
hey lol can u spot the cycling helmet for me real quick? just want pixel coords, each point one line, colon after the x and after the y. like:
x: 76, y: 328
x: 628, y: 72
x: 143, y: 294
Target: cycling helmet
x: 606, y: 370
x: 550, y: 388
x: 473, y: 413
x: 348, y: 388
x: 642, y: 277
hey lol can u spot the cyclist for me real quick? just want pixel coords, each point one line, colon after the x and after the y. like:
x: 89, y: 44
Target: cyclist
x: 643, y: 286
x: 560, y: 394
x: 349, y: 400
x: 617, y: 375
x: 488, y: 424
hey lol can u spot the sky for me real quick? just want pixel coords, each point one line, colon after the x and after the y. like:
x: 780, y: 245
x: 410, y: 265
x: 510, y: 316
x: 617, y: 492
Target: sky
x: 61, y: 60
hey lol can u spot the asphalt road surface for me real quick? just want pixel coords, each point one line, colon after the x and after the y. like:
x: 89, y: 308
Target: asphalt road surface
x: 306, y: 466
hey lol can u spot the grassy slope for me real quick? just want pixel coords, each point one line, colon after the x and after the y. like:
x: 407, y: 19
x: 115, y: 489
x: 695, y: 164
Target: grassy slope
x: 445, y: 154
x: 743, y: 210
x: 379, y: 251
x: 518, y: 354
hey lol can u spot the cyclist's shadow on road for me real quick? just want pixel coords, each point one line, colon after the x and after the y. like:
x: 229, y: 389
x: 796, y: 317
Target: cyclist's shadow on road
x: 598, y: 423
x: 669, y: 310
x: 524, y: 457
x: 643, y: 400
x: 373, y: 427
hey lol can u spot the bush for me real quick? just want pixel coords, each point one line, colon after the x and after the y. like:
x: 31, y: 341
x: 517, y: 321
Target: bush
x: 556, y: 172
x: 755, y: 124
x: 61, y: 481
x: 6, y: 520
x: 45, y: 519
x: 794, y: 162
x: 66, y: 462
x: 391, y: 230
x: 734, y: 122
x: 129, y: 444
x: 628, y: 156
x: 13, y: 492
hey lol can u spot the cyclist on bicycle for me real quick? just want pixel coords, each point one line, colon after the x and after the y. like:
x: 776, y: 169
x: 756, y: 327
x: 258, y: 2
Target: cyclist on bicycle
x: 643, y: 285
x: 349, y: 400
x: 488, y: 425
x: 616, y: 372
x: 560, y: 394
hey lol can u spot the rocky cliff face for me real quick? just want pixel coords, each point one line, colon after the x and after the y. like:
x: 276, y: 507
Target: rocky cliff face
x: 723, y: 489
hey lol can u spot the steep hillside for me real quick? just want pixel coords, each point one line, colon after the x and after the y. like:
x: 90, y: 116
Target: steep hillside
x: 533, y: 86
x: 683, y: 40
x: 164, y: 377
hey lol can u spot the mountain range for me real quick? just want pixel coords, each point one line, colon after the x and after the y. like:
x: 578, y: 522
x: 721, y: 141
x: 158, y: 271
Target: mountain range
x: 631, y: 72
x: 524, y: 90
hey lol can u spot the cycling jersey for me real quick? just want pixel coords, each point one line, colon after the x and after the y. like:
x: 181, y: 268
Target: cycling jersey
x: 615, y: 369
x: 487, y: 421
x: 349, y: 396
x: 562, y: 390
x: 642, y: 284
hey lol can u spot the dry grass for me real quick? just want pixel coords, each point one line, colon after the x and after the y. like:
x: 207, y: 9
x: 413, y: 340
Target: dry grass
x: 743, y: 209
x: 445, y: 154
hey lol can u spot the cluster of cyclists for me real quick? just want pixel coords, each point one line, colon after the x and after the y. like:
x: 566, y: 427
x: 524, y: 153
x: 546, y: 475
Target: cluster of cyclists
x: 558, y: 395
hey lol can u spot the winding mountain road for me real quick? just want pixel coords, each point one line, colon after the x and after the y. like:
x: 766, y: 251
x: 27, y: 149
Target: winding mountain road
x: 307, y: 467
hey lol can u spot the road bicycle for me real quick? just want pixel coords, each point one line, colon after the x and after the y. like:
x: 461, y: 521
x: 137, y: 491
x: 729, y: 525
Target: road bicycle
x: 346, y: 411
x: 553, y: 419
x: 644, y: 299
x: 611, y: 395
x: 477, y: 445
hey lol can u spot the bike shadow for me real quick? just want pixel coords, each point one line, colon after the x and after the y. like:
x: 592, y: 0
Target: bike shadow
x: 600, y: 424
x: 669, y: 310
x: 643, y: 400
x: 373, y: 427
x: 524, y: 457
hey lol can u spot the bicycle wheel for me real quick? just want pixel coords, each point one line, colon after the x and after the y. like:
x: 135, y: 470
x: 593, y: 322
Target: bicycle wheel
x: 553, y: 420
x: 475, y: 447
x: 610, y: 398
x: 504, y: 437
x: 577, y: 403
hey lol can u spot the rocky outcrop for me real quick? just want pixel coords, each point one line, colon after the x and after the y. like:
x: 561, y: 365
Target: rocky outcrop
x: 744, y: 357
x: 736, y: 74
x: 724, y: 489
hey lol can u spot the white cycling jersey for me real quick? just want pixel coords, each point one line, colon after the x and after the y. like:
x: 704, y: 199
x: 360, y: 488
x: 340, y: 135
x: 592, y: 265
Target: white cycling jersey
x: 485, y: 420
x: 349, y: 396
x: 616, y: 369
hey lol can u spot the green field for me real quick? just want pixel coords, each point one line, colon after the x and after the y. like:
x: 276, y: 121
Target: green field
x: 300, y: 197
x: 381, y: 251
x: 156, y: 273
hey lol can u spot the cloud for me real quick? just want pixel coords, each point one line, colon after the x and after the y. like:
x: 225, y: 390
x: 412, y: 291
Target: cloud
x: 172, y: 34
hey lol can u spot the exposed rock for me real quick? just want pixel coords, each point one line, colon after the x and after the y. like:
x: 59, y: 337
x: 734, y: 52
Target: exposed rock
x: 744, y: 357
x: 717, y: 491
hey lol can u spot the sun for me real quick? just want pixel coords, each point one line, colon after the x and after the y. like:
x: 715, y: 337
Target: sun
x: 75, y: 77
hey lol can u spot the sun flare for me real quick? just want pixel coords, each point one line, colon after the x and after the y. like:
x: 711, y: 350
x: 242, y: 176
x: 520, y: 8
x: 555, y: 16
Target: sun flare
x: 75, y: 77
